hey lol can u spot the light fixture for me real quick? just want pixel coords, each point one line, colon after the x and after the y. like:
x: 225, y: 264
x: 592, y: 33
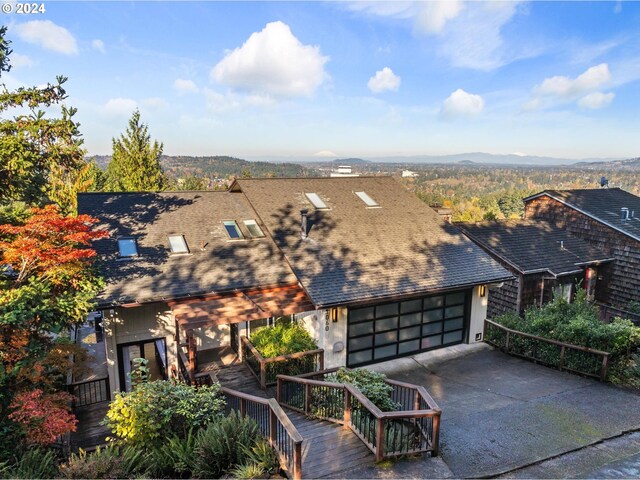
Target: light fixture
x: 482, y: 290
x: 334, y: 315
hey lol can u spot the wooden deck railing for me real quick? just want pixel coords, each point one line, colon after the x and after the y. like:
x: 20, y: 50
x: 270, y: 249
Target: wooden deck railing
x: 414, y: 429
x: 274, y: 425
x: 564, y: 356
x: 267, y: 369
x: 609, y: 312
x: 90, y: 392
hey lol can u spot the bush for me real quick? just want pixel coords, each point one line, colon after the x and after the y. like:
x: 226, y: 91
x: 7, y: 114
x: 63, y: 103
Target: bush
x: 370, y: 383
x: 576, y: 323
x: 154, y: 410
x: 175, y: 458
x: 248, y: 471
x: 222, y: 444
x: 110, y: 462
x: 283, y: 339
x: 34, y: 463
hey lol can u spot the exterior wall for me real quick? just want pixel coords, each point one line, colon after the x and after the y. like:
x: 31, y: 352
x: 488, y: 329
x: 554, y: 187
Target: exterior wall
x: 504, y: 299
x: 145, y: 322
x: 212, y: 337
x: 330, y: 336
x: 478, y: 314
x: 624, y: 283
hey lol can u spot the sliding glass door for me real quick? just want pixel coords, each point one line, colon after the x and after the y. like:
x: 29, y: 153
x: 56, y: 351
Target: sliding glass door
x: 155, y: 351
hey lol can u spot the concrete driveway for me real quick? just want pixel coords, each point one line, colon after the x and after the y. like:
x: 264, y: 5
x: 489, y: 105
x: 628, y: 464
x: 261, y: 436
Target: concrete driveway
x: 501, y: 413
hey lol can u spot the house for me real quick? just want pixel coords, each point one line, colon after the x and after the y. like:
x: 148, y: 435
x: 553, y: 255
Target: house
x: 606, y: 218
x: 545, y: 259
x: 372, y: 271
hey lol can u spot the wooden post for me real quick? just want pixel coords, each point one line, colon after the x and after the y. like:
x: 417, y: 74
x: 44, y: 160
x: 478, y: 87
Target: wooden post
x: 561, y: 364
x: 322, y: 360
x: 605, y: 367
x: 347, y: 409
x: 263, y: 375
x: 243, y: 407
x: 380, y: 439
x: 435, y: 436
x: 416, y: 400
x: 307, y: 398
x: 506, y: 344
x: 273, y: 428
x: 278, y: 389
x: 192, y: 357
x: 297, y: 461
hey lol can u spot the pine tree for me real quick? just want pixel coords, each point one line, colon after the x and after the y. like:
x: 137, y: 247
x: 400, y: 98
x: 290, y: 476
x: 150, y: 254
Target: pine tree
x: 135, y: 162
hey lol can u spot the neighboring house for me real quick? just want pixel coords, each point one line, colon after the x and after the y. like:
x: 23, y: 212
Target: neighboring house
x: 370, y: 269
x: 606, y: 218
x: 545, y: 259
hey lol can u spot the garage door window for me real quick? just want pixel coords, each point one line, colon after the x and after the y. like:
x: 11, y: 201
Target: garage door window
x: 388, y: 330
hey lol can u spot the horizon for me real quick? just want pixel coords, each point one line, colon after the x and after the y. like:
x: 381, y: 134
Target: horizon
x: 359, y: 79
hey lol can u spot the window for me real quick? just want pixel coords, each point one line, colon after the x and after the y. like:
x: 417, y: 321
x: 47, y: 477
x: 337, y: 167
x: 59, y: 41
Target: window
x: 370, y: 202
x: 317, y: 202
x: 253, y: 228
x: 178, y: 244
x: 232, y: 230
x: 127, y: 247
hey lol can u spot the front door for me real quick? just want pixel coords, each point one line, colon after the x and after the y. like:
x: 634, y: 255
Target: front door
x: 154, y: 351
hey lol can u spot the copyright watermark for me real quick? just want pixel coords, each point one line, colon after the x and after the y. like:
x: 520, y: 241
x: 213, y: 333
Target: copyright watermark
x: 24, y: 8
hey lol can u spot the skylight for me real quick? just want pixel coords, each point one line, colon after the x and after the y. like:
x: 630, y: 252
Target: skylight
x: 370, y: 202
x: 178, y: 244
x: 317, y: 202
x: 127, y: 247
x: 254, y: 228
x: 232, y: 230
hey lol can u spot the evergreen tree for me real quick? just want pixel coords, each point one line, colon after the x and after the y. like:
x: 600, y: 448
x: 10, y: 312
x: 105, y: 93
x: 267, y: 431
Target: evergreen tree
x: 135, y: 162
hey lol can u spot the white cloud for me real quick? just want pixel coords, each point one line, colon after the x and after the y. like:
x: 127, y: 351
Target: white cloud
x: 461, y: 104
x: 468, y: 34
x: 119, y: 107
x: 218, y: 102
x: 565, y: 87
x: 596, y: 100
x: 185, y: 86
x: 154, y: 103
x: 48, y: 35
x: 273, y: 62
x: 383, y: 80
x: 20, y: 61
x: 98, y: 45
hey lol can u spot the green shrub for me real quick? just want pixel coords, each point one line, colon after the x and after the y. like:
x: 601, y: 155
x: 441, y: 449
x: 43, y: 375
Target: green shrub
x: 34, y: 463
x: 110, y: 462
x: 576, y: 323
x: 248, y: 471
x: 264, y: 455
x: 175, y: 457
x: 283, y: 339
x: 370, y: 383
x: 221, y: 446
x: 154, y: 410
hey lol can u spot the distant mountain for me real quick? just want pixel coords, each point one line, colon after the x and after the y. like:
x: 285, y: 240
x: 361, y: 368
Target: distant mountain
x: 182, y: 166
x: 350, y: 161
x: 628, y: 164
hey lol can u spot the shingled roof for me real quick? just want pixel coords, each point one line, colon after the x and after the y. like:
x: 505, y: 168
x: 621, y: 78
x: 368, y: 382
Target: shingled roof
x: 214, y: 264
x: 602, y: 204
x: 354, y: 253
x: 532, y: 246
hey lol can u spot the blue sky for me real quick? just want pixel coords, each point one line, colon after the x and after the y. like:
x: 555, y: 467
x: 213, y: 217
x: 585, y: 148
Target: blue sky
x: 344, y: 78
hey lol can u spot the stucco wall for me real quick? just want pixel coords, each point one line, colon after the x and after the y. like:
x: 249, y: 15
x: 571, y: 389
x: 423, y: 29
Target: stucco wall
x: 330, y: 336
x: 145, y: 322
x: 478, y: 314
x: 212, y: 337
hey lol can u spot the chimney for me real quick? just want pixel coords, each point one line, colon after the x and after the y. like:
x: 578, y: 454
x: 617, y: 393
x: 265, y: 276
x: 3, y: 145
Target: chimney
x: 624, y: 214
x: 303, y: 223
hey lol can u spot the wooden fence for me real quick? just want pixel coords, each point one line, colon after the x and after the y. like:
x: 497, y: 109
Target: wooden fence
x: 266, y: 370
x: 564, y: 356
x: 90, y: 392
x: 608, y: 313
x: 274, y: 425
x: 414, y: 429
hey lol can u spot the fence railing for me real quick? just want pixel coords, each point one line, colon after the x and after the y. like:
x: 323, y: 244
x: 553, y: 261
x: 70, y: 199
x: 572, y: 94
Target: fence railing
x: 90, y: 392
x: 608, y: 313
x: 414, y: 429
x: 266, y: 370
x: 563, y: 356
x: 274, y: 425
x: 183, y: 370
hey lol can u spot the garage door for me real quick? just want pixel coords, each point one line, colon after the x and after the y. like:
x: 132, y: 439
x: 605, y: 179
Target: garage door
x: 381, y: 332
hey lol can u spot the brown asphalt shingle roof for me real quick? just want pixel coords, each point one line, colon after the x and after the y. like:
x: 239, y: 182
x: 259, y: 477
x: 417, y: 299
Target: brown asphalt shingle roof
x: 150, y: 218
x: 357, y: 254
x: 534, y: 245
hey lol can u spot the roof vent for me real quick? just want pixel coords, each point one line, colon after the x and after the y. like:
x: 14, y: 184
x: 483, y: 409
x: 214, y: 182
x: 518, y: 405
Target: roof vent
x: 303, y: 223
x: 624, y: 214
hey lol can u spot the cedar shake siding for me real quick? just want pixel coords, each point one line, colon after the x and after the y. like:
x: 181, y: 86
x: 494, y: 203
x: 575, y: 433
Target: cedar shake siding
x: 504, y: 299
x: 623, y: 283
